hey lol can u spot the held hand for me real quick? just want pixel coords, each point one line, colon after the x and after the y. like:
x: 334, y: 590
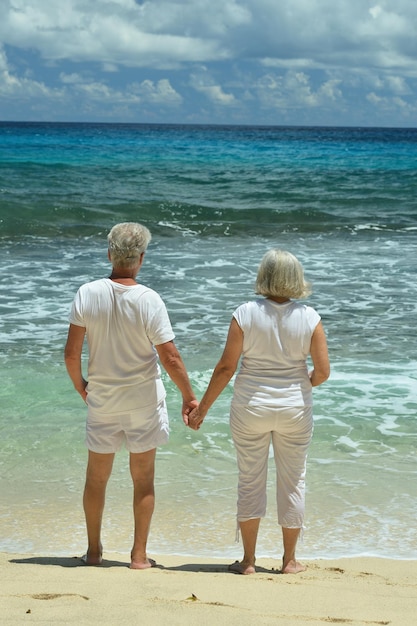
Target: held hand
x: 187, y: 407
x: 195, y: 419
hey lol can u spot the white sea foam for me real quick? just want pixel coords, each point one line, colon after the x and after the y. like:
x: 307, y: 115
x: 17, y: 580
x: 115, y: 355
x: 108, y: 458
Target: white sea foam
x: 213, y: 214
x: 361, y: 467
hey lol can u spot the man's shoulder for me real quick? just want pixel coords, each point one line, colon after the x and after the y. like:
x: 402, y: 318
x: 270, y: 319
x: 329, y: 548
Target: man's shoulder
x: 144, y: 290
x: 93, y: 285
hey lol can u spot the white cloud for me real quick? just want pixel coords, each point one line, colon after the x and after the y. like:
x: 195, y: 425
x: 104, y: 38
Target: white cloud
x: 375, y: 11
x: 205, y: 84
x: 162, y: 33
x: 330, y: 90
x: 389, y: 22
x: 79, y: 92
x: 373, y: 98
x: 110, y: 67
x: 22, y: 87
x: 216, y: 94
x: 3, y: 61
x: 102, y: 93
x: 294, y: 90
x: 397, y: 84
x: 161, y: 92
x: 101, y: 31
x: 148, y: 92
x: 72, y: 79
x: 292, y: 55
x: 392, y: 104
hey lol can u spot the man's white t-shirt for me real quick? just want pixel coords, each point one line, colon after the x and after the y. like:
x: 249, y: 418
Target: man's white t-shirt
x: 276, y: 344
x: 123, y: 324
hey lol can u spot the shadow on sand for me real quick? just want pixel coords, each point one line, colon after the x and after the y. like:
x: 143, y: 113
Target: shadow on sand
x: 75, y: 561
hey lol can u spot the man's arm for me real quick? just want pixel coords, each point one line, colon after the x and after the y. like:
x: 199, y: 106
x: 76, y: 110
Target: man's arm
x: 73, y: 351
x: 172, y: 362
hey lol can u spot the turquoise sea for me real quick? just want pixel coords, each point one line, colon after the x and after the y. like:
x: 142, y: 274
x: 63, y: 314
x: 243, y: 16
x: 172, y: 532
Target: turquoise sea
x: 344, y: 200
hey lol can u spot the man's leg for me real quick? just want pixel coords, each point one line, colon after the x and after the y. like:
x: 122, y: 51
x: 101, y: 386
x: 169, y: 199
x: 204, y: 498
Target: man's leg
x: 98, y: 472
x: 142, y: 469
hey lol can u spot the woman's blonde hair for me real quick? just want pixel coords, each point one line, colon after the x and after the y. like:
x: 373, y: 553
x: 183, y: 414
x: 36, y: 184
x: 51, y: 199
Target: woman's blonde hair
x: 281, y: 274
x: 126, y: 242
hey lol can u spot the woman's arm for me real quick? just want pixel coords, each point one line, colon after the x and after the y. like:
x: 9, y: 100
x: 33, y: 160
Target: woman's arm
x: 222, y: 374
x: 319, y: 356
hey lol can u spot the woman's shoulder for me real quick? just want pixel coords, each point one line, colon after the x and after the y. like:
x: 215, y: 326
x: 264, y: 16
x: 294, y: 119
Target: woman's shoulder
x: 247, y: 306
x: 303, y: 307
x: 251, y: 310
x: 306, y: 312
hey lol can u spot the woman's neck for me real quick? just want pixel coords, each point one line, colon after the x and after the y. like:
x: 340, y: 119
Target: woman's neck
x: 278, y: 299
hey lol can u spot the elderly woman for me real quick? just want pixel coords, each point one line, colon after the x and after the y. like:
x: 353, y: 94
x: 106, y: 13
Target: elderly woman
x: 272, y: 400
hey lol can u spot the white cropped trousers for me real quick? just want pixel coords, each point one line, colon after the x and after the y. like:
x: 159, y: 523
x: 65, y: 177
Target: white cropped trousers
x: 289, y: 430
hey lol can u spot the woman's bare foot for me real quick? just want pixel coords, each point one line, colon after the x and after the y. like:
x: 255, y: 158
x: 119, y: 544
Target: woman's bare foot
x: 293, y: 567
x: 146, y: 564
x: 241, y: 568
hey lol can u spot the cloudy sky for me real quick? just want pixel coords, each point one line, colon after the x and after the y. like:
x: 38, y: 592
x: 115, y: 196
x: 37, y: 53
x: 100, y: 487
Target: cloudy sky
x: 306, y: 62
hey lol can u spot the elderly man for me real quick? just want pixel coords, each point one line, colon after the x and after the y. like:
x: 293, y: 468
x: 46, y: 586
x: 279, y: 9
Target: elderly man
x: 127, y: 329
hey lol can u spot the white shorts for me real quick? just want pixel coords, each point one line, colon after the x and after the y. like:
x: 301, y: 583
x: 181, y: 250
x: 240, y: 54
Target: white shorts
x: 141, y: 430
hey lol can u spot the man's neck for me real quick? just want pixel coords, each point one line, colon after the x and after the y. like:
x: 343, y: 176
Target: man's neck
x: 124, y: 276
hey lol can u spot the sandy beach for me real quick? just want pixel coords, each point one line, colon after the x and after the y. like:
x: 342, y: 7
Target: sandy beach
x: 186, y: 590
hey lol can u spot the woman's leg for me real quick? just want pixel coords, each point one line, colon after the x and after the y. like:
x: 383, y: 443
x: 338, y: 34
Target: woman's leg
x: 290, y: 442
x: 290, y: 565
x: 249, y: 530
x: 252, y: 451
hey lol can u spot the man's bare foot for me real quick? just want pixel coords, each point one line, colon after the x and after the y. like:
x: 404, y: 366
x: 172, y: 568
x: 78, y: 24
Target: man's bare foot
x: 241, y: 568
x: 142, y: 564
x: 293, y: 567
x: 91, y: 560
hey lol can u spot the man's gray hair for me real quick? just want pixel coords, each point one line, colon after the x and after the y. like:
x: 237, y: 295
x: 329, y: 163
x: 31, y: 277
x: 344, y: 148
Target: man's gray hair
x: 281, y: 274
x: 127, y: 241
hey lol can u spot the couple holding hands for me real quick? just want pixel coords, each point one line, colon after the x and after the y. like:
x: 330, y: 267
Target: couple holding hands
x: 129, y: 333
